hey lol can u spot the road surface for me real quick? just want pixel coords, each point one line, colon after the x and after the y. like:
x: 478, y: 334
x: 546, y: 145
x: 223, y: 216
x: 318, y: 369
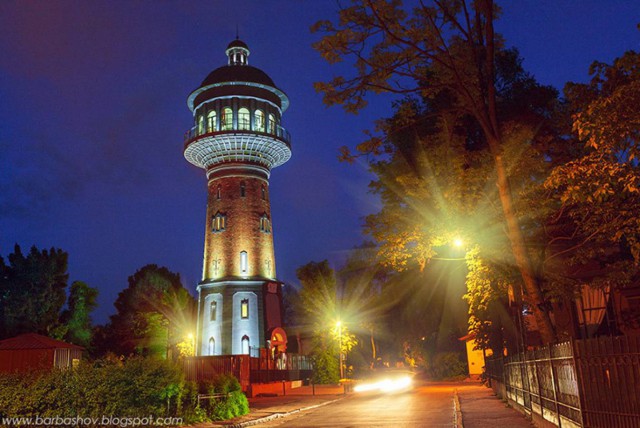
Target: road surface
x: 424, y: 406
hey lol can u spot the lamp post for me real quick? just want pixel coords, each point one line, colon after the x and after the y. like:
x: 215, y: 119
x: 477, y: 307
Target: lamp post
x: 339, y: 325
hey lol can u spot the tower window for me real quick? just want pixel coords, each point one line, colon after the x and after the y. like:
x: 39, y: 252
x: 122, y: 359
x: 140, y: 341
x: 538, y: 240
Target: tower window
x: 245, y: 344
x: 271, y: 124
x: 244, y: 308
x: 200, y: 125
x: 244, y: 119
x: 264, y: 193
x: 213, y: 307
x: 226, y: 120
x: 212, y: 346
x: 243, y: 189
x: 244, y: 262
x: 259, y: 118
x: 265, y: 224
x: 218, y: 192
x: 212, y: 123
x: 218, y: 222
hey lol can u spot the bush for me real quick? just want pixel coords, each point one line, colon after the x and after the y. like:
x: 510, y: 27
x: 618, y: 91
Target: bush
x: 447, y: 365
x: 325, y: 367
x: 234, y: 404
x: 139, y: 387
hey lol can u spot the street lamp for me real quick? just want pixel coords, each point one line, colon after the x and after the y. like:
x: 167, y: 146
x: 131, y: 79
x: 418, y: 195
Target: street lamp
x: 339, y: 325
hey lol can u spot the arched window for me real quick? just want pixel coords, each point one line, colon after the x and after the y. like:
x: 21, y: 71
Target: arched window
x: 244, y: 119
x: 265, y: 224
x: 245, y: 344
x: 212, y: 346
x: 226, y: 120
x: 271, y: 125
x: 244, y: 262
x: 218, y: 222
x: 243, y: 189
x: 259, y: 118
x: 212, y: 124
x: 264, y: 193
x: 213, y: 307
x: 200, y: 125
x: 218, y: 192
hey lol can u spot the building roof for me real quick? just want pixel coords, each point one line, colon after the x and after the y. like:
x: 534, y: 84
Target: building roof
x: 34, y: 341
x: 237, y: 73
x: 237, y: 43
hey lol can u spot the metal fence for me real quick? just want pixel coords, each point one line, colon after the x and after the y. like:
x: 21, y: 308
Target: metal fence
x: 248, y: 369
x: 584, y: 383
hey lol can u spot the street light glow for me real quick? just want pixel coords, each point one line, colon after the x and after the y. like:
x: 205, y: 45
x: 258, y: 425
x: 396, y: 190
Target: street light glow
x: 458, y: 242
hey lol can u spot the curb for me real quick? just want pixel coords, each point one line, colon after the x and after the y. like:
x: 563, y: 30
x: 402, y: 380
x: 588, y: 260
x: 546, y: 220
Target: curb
x: 280, y: 415
x: 457, y: 412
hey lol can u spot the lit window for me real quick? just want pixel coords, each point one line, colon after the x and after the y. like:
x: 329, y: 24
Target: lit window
x: 212, y: 310
x: 245, y: 344
x: 244, y: 308
x: 212, y: 124
x: 265, y: 224
x: 259, y: 121
x: 244, y: 119
x: 200, y: 125
x: 271, y: 124
x: 218, y: 222
x: 226, y: 120
x: 243, y: 189
x: 244, y: 262
x: 212, y: 346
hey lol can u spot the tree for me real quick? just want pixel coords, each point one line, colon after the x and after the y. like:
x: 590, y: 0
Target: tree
x: 316, y: 308
x: 154, y: 313
x: 32, y: 291
x: 447, y: 49
x: 600, y: 188
x: 77, y: 317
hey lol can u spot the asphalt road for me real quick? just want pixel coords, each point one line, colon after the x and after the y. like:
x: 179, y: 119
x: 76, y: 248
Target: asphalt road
x: 424, y: 406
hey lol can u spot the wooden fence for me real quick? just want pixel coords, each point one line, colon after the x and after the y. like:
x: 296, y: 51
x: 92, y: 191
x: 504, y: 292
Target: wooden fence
x: 589, y: 383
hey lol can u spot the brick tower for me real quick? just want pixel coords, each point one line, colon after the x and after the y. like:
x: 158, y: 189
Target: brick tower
x: 237, y: 139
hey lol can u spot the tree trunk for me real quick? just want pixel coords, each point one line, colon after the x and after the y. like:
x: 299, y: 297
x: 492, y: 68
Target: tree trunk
x: 520, y: 253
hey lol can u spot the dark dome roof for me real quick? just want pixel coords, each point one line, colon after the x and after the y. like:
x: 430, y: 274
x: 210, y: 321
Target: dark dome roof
x: 238, y: 73
x: 237, y: 43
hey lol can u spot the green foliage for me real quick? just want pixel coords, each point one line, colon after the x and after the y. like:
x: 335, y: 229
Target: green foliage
x: 154, y: 313
x: 447, y: 366
x: 135, y: 388
x: 325, y: 366
x: 32, y: 291
x: 77, y: 317
x: 233, y: 404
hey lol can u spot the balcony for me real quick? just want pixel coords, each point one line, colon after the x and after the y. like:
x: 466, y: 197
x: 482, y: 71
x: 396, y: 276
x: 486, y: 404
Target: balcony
x: 206, y: 146
x: 273, y: 130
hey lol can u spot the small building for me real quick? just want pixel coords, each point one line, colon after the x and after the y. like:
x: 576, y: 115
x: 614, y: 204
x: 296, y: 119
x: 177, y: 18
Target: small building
x: 475, y: 357
x: 32, y: 351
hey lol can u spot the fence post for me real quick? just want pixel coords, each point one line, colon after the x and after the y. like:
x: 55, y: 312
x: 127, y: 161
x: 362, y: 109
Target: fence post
x: 579, y: 380
x: 553, y: 384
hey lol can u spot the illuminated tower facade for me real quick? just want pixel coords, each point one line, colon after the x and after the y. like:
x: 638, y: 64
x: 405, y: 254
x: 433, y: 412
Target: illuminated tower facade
x: 237, y: 139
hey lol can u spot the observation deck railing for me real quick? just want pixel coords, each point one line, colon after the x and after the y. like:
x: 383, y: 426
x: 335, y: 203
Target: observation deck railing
x: 272, y: 130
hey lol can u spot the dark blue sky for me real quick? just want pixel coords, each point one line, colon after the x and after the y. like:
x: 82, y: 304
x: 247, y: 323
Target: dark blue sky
x: 93, y: 111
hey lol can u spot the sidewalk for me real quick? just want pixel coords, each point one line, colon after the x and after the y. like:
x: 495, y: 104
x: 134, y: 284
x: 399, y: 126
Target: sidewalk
x: 480, y: 408
x: 263, y: 409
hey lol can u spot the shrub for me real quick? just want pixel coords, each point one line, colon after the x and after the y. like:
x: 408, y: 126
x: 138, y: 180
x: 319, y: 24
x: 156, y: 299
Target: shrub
x: 140, y: 386
x: 325, y: 367
x: 448, y: 365
x: 234, y: 404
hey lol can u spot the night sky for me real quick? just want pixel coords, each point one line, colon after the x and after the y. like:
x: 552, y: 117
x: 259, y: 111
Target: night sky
x: 93, y: 112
